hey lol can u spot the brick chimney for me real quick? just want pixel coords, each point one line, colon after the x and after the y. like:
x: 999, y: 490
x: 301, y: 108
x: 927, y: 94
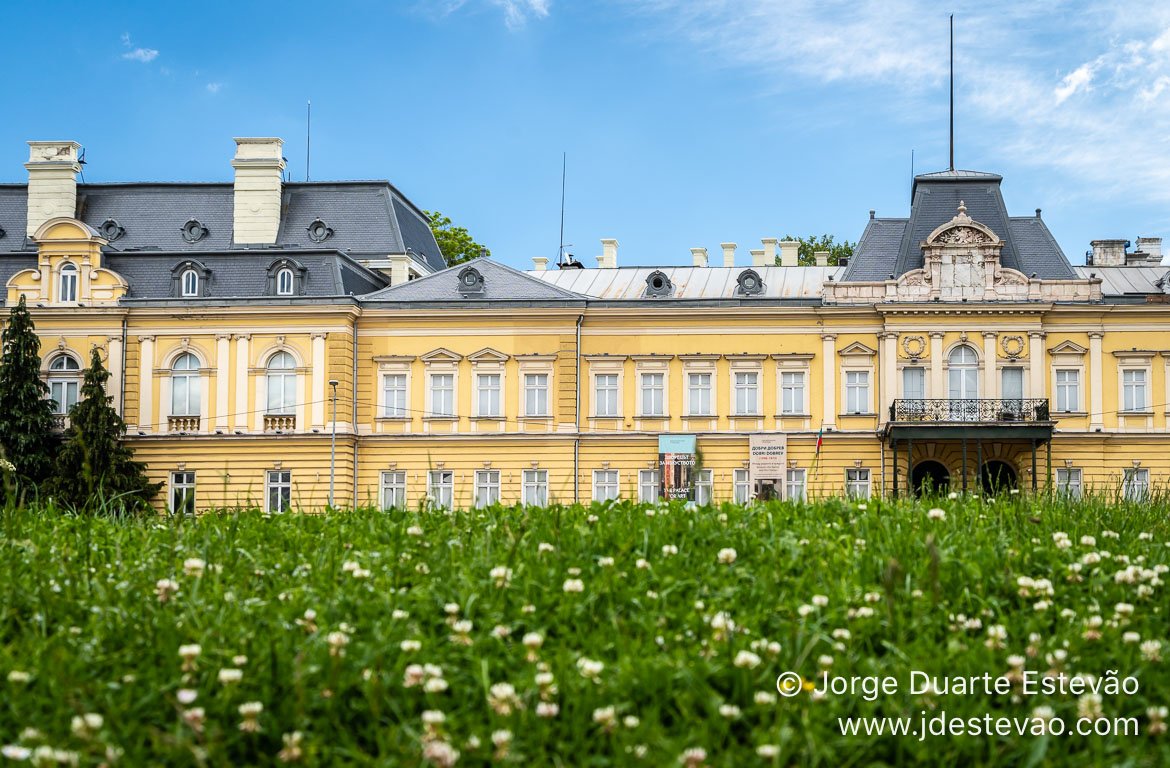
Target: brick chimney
x: 256, y: 207
x: 699, y: 257
x: 608, y: 257
x: 789, y: 253
x: 52, y: 181
x: 728, y: 254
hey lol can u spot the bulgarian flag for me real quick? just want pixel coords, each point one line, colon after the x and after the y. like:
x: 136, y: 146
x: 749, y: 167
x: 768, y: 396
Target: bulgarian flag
x: 817, y: 453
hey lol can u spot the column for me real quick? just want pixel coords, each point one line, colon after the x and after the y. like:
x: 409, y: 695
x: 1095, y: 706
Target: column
x: 241, y: 420
x: 1096, y: 384
x: 1036, y: 364
x: 938, y: 387
x: 990, y: 369
x: 888, y: 366
x: 114, y: 363
x: 222, y: 374
x: 146, y: 384
x: 319, y: 394
x: 829, y: 376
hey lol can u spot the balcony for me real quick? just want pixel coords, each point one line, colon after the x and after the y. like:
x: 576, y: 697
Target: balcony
x: 983, y: 418
x: 277, y: 423
x: 60, y: 422
x: 178, y: 424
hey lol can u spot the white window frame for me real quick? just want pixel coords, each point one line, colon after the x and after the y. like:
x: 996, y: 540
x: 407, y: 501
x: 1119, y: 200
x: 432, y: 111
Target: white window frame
x: 920, y: 372
x: 1023, y: 374
x: 959, y: 373
x: 700, y: 399
x: 67, y: 379
x: 797, y: 404
x: 285, y: 282
x: 441, y: 487
x: 287, y: 378
x: 452, y: 390
x: 751, y: 392
x: 536, y: 365
x: 182, y: 484
x: 277, y: 481
x: 395, y: 400
x: 393, y: 489
x: 858, y: 483
x: 648, y: 485
x: 191, y: 387
x: 536, y: 393
x: 795, y: 484
x: 1068, y: 391
x: 489, y: 395
x: 858, y: 396
x: 487, y: 487
x: 606, y: 484
x: 1070, y: 482
x: 1135, y: 483
x: 704, y: 487
x: 610, y: 397
x: 534, y: 488
x: 1130, y: 389
x: 741, y: 486
x: 189, y: 283
x: 68, y: 283
x: 645, y: 404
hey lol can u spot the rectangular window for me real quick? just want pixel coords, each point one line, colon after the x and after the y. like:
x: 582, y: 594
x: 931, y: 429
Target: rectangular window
x: 1068, y: 389
x: 857, y: 483
x: 794, y: 485
x: 487, y: 487
x: 536, y: 394
x: 605, y: 394
x: 653, y: 394
x: 535, y: 487
x: 648, y: 486
x: 704, y: 486
x: 487, y: 388
x: 394, y: 391
x: 743, y: 488
x: 1133, y: 387
x: 1135, y: 485
x: 394, y: 490
x: 1068, y: 482
x: 857, y: 391
x: 442, y: 394
x: 699, y: 391
x: 747, y: 393
x: 792, y: 392
x: 605, y: 484
x: 64, y: 394
x: 1011, y: 383
x: 182, y: 493
x: 914, y: 383
x: 441, y: 487
x: 278, y: 490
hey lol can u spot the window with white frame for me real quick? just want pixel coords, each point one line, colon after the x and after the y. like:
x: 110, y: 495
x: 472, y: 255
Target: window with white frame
x: 794, y: 484
x: 857, y: 391
x: 284, y: 282
x: 1011, y: 383
x: 189, y: 283
x: 1068, y: 482
x: 605, y: 394
x: 857, y: 483
x: 605, y: 484
x: 282, y: 383
x: 742, y: 486
x: 1135, y: 484
x: 653, y: 394
x: 792, y: 392
x: 535, y: 487
x: 704, y: 486
x: 914, y: 382
x: 963, y: 373
x: 278, y: 490
x: 64, y: 381
x: 394, y: 489
x: 747, y: 393
x: 68, y: 283
x: 185, y: 385
x: 1068, y: 389
x: 487, y: 394
x: 536, y: 394
x: 182, y: 493
x: 394, y: 395
x: 648, y: 486
x: 487, y: 487
x: 441, y: 488
x: 1133, y: 389
x: 442, y: 394
x: 699, y: 394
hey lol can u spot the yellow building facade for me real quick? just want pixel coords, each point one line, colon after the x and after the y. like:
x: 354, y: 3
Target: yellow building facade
x: 275, y: 344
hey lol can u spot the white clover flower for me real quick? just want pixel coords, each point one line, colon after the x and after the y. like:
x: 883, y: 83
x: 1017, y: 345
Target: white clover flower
x: 805, y: 610
x: 937, y: 514
x: 694, y: 757
x: 410, y: 646
x: 533, y: 641
x: 87, y: 725
x: 19, y: 677
x: 451, y: 609
x: 605, y: 716
x: 440, y: 754
x: 1123, y: 609
x: 590, y: 668
x: 953, y: 495
x: 193, y: 566
x: 841, y: 634
x: 605, y: 562
x: 337, y: 642
x: 15, y: 751
x: 727, y: 556
x: 186, y: 696
x: 544, y: 546
x: 502, y: 738
x: 433, y: 717
x: 501, y: 575
x: 820, y: 601
x: 414, y: 530
x: 1131, y: 637
x: 547, y: 709
x: 164, y: 589
x: 1151, y: 650
x: 746, y: 660
x: 825, y: 661
x: 729, y: 711
x: 503, y: 699
x: 250, y: 711
x: 574, y: 585
x: 642, y: 564
x: 764, y: 698
x: 669, y: 549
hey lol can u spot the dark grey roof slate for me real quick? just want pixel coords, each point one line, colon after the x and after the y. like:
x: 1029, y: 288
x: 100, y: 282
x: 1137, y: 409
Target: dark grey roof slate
x: 154, y: 214
x: 13, y: 216
x: 10, y: 264
x: 875, y: 256
x: 417, y: 235
x: 501, y: 283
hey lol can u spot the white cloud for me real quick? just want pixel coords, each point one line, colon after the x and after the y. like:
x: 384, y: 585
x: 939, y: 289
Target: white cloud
x: 516, y: 12
x: 145, y: 55
x: 1078, y: 79
x: 214, y: 87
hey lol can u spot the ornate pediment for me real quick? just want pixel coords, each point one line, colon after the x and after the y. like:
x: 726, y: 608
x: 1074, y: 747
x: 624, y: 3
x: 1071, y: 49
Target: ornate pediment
x: 962, y: 230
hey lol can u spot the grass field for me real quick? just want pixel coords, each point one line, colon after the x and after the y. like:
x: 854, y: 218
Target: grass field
x: 613, y: 635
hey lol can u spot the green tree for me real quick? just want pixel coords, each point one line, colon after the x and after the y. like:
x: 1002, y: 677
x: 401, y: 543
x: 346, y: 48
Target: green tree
x: 811, y: 244
x: 26, y: 412
x: 95, y: 468
x: 456, y: 243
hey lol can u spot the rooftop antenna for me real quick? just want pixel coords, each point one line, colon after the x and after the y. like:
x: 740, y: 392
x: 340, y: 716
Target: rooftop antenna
x: 308, y: 134
x: 561, y: 239
x: 952, y: 166
x: 911, y: 175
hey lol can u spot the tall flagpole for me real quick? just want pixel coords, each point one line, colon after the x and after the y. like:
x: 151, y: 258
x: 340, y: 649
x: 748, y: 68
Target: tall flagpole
x: 952, y: 92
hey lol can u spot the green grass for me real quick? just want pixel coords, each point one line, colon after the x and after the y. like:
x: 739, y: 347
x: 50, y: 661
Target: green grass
x: 79, y: 614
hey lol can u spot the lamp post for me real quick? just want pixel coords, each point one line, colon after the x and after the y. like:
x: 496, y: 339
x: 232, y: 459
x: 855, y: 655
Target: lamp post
x: 333, y: 443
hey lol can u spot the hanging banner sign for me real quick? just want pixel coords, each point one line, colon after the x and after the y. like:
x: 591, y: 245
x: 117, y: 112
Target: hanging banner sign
x: 676, y: 466
x: 767, y: 463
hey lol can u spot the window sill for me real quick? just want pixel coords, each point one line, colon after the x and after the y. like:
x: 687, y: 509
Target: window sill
x: 656, y: 416
x: 392, y: 418
x: 534, y: 418
x: 1069, y: 413
x: 440, y: 418
x: 700, y: 416
x: 747, y: 415
x: 486, y: 418
x: 858, y: 415
x: 1135, y: 413
x: 794, y: 415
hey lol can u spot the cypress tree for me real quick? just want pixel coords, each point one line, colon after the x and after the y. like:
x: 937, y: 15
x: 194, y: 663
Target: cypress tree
x: 95, y: 468
x: 26, y: 412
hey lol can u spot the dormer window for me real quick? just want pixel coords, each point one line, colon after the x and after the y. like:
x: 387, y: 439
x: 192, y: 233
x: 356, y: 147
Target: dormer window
x: 68, y: 286
x: 190, y: 281
x: 286, y: 278
x: 284, y: 282
x: 111, y: 230
x: 194, y: 231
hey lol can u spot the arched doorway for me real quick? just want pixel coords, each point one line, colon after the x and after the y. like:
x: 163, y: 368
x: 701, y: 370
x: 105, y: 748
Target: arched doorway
x: 997, y: 477
x: 929, y: 477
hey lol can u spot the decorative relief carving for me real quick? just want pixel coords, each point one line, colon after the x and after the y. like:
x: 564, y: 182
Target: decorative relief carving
x: 1013, y: 346
x: 913, y: 346
x: 962, y: 236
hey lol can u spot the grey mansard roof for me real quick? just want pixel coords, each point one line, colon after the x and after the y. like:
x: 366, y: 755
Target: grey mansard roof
x: 500, y: 283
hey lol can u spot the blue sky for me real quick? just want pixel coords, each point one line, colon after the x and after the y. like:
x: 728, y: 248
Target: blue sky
x: 686, y: 123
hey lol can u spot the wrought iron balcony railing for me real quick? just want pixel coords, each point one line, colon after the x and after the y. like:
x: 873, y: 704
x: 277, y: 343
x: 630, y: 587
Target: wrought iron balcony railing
x: 980, y: 410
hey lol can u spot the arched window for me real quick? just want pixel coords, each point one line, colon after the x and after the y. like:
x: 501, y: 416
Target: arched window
x: 282, y: 384
x: 68, y: 286
x: 284, y: 282
x: 963, y: 373
x: 190, y: 282
x: 64, y: 381
x: 185, y: 385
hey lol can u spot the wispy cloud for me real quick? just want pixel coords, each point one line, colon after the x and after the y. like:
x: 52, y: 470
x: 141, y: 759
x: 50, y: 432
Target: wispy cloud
x: 516, y: 12
x: 213, y: 88
x: 136, y: 53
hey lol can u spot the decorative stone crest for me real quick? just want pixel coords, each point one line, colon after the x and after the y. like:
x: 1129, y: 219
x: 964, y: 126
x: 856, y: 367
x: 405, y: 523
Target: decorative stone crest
x: 1012, y: 346
x: 913, y: 346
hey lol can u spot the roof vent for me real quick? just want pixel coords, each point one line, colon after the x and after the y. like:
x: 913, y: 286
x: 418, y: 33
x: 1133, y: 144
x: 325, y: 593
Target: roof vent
x: 111, y: 230
x: 2, y: 232
x: 471, y: 282
x: 658, y: 285
x: 194, y: 231
x: 749, y: 283
x: 319, y: 231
